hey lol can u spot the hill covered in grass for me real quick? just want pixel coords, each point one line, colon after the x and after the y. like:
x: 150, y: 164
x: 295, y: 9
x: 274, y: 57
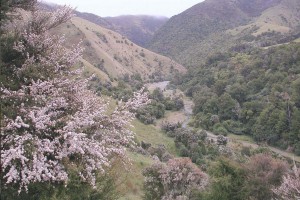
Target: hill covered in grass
x: 218, y: 25
x: 115, y: 55
x: 138, y: 28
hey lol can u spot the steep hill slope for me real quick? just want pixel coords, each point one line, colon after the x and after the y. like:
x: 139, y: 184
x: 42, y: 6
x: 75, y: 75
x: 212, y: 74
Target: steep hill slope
x: 95, y: 19
x: 138, y: 28
x: 115, y: 55
x: 217, y: 25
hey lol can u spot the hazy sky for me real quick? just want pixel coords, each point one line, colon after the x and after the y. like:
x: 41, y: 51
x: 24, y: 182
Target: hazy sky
x: 106, y: 8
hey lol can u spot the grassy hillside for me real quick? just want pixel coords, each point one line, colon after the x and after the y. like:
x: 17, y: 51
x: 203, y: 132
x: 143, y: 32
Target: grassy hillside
x: 282, y: 18
x: 138, y: 28
x: 116, y: 55
x: 218, y: 25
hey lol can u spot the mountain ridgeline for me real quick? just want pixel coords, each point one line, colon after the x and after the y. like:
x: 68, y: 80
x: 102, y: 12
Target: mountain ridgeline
x: 138, y: 28
x: 218, y: 25
x: 112, y: 55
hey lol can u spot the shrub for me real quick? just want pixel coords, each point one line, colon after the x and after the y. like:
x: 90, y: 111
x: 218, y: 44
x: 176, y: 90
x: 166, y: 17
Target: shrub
x: 264, y: 173
x: 170, y: 127
x: 175, y: 180
x: 51, y: 125
x: 221, y: 140
x: 220, y: 129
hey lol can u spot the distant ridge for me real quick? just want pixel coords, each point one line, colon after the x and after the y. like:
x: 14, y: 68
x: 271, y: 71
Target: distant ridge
x: 138, y: 28
x: 217, y: 25
x: 114, y: 55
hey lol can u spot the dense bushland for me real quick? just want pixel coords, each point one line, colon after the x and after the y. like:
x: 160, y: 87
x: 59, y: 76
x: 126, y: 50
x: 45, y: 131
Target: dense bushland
x: 159, y: 104
x: 254, y: 92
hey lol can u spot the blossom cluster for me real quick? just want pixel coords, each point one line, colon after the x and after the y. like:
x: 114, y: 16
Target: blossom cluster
x: 44, y: 49
x: 58, y: 123
x: 290, y: 186
x: 174, y: 180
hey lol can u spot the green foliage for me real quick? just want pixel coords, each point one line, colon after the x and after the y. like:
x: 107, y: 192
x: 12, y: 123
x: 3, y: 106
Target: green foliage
x: 229, y: 181
x: 142, y: 54
x: 157, y: 95
x: 271, y: 123
x: 228, y: 107
x: 233, y: 126
x: 150, y: 112
x: 190, y: 38
x: 263, y: 174
x: 159, y: 104
x: 261, y: 98
x: 225, y: 26
x: 154, y: 189
x: 75, y: 189
x: 170, y: 127
x: 219, y: 129
x: 296, y: 92
x: 238, y: 92
x: 192, y: 144
x: 297, y: 149
x: 122, y: 91
x: 8, y: 58
x: 251, y: 180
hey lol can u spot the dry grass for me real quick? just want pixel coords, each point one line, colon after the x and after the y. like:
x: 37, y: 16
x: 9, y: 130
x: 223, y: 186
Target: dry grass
x: 244, y: 138
x: 120, y: 55
x: 280, y: 18
x: 88, y: 67
x: 297, y: 40
x: 172, y: 117
x: 266, y: 27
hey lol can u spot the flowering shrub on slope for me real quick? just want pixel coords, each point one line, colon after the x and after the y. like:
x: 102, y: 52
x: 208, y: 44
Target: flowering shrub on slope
x: 174, y: 180
x: 290, y: 186
x: 56, y: 123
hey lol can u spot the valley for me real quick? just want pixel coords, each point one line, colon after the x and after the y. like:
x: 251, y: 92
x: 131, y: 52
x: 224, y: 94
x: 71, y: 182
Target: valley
x: 202, y: 105
x: 153, y: 135
x: 183, y: 116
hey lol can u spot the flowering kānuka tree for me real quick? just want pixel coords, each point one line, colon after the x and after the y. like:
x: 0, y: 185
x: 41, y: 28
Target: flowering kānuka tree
x: 290, y: 186
x: 54, y: 123
x: 174, y: 180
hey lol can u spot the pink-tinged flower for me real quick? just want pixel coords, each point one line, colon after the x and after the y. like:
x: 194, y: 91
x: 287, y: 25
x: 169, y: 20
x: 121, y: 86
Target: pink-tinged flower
x: 59, y: 122
x: 290, y: 186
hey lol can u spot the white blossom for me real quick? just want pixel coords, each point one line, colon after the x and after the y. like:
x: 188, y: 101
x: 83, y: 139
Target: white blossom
x: 290, y: 186
x: 59, y: 122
